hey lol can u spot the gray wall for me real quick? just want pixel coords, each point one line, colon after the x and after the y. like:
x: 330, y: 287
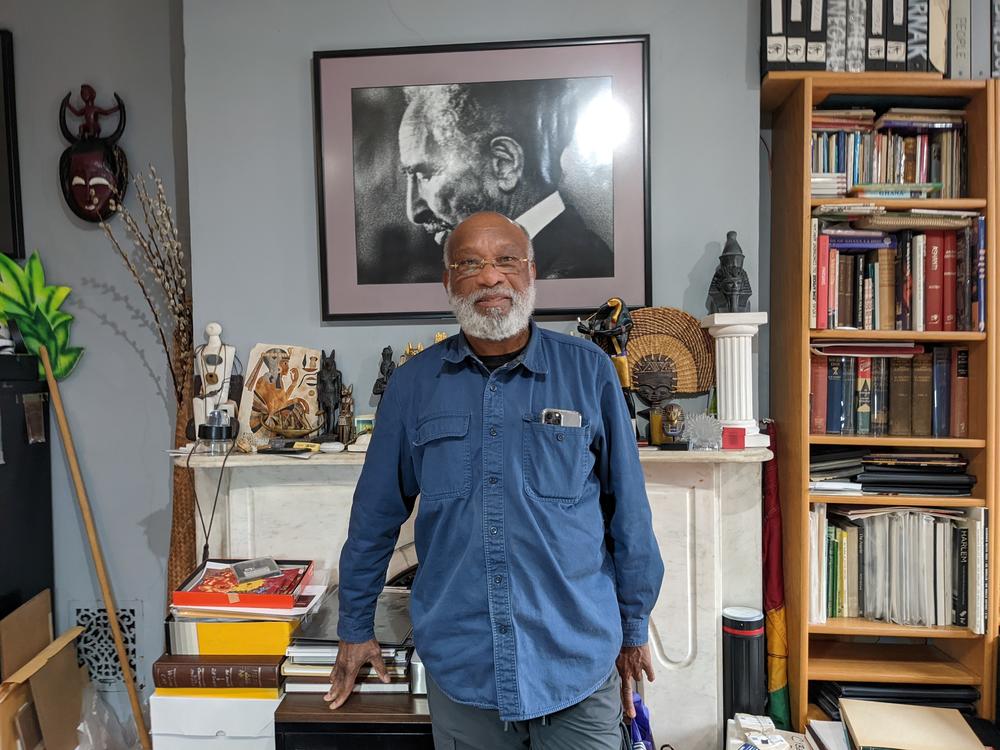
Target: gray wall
x: 117, y: 400
x: 250, y: 137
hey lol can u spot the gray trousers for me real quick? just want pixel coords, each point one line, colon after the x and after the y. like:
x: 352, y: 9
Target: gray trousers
x: 595, y: 723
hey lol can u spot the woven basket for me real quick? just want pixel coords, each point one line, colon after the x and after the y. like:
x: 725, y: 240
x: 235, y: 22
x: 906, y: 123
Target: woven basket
x: 660, y: 332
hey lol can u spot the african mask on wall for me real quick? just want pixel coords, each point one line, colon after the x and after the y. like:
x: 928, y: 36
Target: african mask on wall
x: 93, y: 171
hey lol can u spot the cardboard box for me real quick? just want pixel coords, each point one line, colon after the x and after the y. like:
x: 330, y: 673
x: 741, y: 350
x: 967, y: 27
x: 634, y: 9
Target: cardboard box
x: 53, y: 682
x: 234, y: 723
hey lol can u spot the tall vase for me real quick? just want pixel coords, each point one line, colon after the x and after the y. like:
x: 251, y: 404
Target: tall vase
x: 183, y: 555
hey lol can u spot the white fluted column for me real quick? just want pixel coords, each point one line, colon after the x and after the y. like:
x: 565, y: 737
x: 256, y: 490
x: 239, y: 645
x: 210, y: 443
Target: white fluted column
x: 733, y: 334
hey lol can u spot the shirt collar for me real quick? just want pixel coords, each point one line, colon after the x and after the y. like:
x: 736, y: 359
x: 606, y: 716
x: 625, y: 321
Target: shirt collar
x: 539, y: 216
x: 533, y: 356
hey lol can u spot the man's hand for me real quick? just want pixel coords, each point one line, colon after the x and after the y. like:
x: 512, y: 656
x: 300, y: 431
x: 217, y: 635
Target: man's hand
x: 632, y: 661
x: 351, y: 657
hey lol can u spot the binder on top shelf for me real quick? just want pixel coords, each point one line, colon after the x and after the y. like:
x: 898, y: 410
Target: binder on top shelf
x: 875, y: 27
x: 836, y: 35
x: 916, y: 35
x: 795, y: 28
x: 960, y: 44
x: 816, y: 35
x: 995, y: 41
x: 773, y: 51
x: 937, y: 36
x: 895, y: 34
x: 979, y: 37
x: 857, y: 34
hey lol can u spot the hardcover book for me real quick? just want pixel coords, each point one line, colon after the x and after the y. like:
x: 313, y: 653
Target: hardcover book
x: 941, y: 405
x: 923, y: 395
x: 900, y: 384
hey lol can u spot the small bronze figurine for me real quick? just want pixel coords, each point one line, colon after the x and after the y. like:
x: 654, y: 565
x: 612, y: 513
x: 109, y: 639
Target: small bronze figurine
x: 730, y: 289
x: 345, y: 422
x: 329, y: 393
x: 655, y: 381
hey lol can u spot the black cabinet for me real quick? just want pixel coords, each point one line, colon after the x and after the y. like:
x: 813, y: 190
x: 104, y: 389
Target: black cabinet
x: 26, y: 565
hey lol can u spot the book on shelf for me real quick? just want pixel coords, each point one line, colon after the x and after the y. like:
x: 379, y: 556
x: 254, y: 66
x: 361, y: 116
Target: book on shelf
x: 907, y: 280
x: 230, y: 671
x: 903, y: 390
x: 895, y: 35
x: 914, y: 567
x: 774, y: 54
x: 916, y: 38
x: 872, y: 725
x: 270, y: 693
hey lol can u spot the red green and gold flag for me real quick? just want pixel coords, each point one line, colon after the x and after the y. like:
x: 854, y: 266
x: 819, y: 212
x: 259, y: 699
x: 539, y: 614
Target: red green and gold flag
x: 776, y: 628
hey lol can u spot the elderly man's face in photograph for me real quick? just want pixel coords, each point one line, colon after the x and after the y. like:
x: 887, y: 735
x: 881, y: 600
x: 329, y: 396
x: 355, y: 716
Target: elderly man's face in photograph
x: 447, y: 179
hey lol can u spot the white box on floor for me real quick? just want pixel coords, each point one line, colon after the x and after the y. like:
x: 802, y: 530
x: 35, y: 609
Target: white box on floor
x: 180, y: 723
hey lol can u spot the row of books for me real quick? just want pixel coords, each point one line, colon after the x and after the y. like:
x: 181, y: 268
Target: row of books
x: 856, y: 471
x: 892, y: 388
x: 904, y: 153
x: 893, y: 35
x: 933, y: 280
x: 827, y: 695
x: 922, y: 567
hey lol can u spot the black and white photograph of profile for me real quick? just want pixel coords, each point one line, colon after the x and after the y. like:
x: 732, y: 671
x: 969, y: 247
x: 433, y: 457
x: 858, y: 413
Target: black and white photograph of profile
x: 427, y: 157
x: 410, y: 141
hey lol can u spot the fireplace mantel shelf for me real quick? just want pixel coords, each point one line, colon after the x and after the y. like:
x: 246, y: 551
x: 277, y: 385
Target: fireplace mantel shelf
x: 243, y: 461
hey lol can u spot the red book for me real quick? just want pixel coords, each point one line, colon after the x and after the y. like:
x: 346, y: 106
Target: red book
x: 949, y: 307
x: 933, y: 282
x: 833, y: 282
x: 817, y: 392
x: 822, y: 279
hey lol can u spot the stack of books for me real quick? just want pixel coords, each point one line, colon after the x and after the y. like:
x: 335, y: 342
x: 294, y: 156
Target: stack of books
x: 227, y: 639
x: 904, y: 153
x: 950, y: 37
x: 834, y: 470
x: 916, y: 567
x: 315, y: 645
x: 962, y: 698
x: 873, y: 279
x: 910, y: 473
x: 889, y: 388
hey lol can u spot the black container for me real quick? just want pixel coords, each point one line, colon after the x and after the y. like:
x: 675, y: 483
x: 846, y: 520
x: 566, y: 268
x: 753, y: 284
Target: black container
x: 744, y: 662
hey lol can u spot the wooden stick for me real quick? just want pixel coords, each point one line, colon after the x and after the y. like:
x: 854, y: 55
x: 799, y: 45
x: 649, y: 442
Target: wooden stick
x: 95, y: 549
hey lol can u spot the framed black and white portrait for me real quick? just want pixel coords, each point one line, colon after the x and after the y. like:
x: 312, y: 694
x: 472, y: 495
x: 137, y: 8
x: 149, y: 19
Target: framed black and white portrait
x: 410, y: 141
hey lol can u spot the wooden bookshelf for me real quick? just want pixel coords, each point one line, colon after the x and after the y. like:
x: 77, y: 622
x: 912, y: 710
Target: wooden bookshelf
x: 850, y: 649
x: 875, y: 662
x: 869, y: 629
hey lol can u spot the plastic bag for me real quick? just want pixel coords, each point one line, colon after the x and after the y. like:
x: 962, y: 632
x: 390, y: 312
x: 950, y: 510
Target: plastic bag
x: 99, y: 727
x: 641, y: 732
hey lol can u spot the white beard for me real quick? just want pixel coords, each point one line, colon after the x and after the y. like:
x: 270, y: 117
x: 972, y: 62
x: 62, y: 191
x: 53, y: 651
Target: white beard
x: 495, y: 325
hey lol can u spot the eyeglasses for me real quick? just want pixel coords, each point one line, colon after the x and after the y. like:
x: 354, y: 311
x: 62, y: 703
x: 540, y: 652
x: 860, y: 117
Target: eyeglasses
x: 506, y: 264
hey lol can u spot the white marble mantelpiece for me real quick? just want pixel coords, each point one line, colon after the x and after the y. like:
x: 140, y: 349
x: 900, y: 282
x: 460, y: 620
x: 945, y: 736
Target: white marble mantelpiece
x: 706, y: 517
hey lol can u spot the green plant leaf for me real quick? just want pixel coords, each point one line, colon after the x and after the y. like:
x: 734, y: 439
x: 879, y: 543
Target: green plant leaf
x: 35, y: 276
x: 51, y: 297
x: 66, y: 362
x: 11, y: 307
x: 13, y: 282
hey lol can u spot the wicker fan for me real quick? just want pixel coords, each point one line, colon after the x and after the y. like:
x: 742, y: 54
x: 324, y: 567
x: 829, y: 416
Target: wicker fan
x: 668, y: 338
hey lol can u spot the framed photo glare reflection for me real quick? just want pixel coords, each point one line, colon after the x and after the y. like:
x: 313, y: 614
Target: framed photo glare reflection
x: 410, y: 141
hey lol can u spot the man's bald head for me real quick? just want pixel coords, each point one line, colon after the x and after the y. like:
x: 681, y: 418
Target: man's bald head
x: 489, y: 222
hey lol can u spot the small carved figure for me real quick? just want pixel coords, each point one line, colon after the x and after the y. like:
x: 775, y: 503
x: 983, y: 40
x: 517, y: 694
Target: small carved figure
x: 730, y: 288
x: 385, y: 369
x: 330, y: 384
x: 345, y: 422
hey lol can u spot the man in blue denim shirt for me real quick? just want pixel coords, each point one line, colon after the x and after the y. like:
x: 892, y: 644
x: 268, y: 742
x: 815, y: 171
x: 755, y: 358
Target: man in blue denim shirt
x: 538, y: 564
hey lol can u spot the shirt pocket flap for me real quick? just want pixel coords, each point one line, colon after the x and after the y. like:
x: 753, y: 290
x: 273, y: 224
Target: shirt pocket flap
x: 443, y: 425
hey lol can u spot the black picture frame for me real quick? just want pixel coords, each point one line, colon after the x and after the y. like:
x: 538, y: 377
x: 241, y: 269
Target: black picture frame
x: 338, y: 76
x: 11, y: 221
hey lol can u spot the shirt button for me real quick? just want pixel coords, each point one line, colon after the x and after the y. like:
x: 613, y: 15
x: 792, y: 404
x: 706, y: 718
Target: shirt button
x: 493, y: 431
x: 493, y: 388
x: 494, y: 530
x: 502, y: 629
x: 560, y: 437
x: 493, y: 480
x: 498, y: 580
